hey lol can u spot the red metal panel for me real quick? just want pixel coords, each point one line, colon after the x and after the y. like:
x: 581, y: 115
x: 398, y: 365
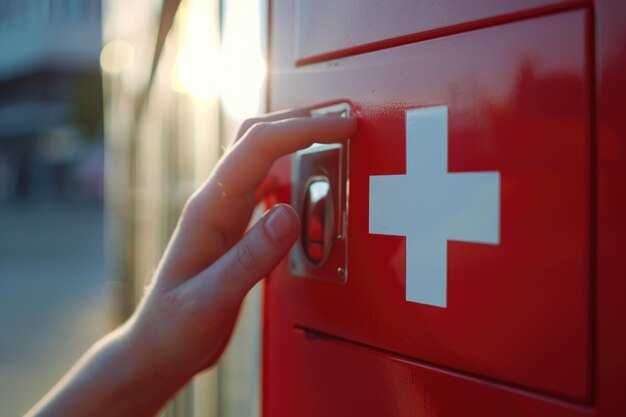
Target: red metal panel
x: 519, y: 103
x: 611, y: 209
x: 327, y: 28
x: 325, y: 377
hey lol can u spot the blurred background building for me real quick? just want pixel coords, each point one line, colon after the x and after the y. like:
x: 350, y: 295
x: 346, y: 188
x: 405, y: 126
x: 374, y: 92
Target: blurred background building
x: 126, y: 105
x: 52, y: 282
x: 50, y: 96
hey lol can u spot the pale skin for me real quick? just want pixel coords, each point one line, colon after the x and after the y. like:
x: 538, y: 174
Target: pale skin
x: 185, y: 319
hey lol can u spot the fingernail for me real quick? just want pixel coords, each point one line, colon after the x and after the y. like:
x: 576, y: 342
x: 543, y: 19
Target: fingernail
x: 279, y: 224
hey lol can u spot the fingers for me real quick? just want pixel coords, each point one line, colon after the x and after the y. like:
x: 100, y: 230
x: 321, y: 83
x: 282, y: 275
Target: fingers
x: 217, y: 214
x: 259, y: 251
x: 272, y: 117
x: 246, y: 164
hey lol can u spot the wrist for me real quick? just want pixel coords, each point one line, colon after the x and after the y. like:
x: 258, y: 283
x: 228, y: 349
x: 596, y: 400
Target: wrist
x: 133, y: 378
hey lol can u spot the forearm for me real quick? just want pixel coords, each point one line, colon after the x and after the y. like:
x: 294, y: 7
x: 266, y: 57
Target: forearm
x: 188, y: 313
x: 110, y: 379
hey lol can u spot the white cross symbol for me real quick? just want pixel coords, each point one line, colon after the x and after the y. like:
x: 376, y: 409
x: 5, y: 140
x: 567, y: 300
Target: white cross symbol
x: 430, y: 205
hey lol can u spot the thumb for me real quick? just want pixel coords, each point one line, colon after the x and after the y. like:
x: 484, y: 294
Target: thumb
x: 229, y: 278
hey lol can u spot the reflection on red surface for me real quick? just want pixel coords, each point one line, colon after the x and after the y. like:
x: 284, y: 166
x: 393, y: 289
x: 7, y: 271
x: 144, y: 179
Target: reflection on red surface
x: 516, y: 336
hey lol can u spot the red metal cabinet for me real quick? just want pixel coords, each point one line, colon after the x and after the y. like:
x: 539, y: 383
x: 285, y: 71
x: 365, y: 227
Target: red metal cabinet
x: 518, y: 332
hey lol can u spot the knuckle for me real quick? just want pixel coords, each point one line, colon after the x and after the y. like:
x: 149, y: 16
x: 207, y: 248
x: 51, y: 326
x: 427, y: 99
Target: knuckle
x: 245, y: 126
x: 192, y: 207
x: 260, y: 138
x: 248, y: 123
x: 247, y: 257
x: 189, y: 208
x: 259, y: 129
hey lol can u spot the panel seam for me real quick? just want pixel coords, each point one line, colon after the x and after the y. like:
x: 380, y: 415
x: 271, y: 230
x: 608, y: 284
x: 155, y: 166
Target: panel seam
x: 442, y: 32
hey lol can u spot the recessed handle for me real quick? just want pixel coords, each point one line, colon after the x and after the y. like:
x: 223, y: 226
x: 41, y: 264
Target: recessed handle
x: 317, y: 220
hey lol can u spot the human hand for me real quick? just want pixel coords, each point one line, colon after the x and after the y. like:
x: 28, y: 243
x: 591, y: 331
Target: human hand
x: 187, y: 315
x: 185, y: 319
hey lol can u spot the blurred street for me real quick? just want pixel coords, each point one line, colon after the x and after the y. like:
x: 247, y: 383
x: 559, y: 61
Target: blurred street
x: 52, y: 295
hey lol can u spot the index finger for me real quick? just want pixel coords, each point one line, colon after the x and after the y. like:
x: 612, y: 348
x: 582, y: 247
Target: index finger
x: 241, y: 170
x: 271, y: 117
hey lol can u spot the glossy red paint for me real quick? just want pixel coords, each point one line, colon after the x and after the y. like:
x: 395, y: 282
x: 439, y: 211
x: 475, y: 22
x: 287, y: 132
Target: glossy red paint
x: 329, y: 377
x: 532, y: 325
x: 327, y: 29
x: 610, y: 265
